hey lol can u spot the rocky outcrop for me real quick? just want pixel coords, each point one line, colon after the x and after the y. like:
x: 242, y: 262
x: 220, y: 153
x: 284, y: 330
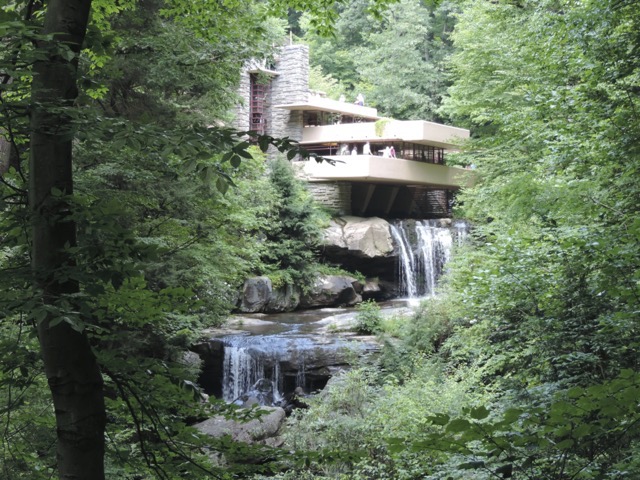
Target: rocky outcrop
x: 364, y: 245
x: 289, y: 361
x: 258, y: 430
x: 258, y: 294
x: 360, y: 237
x: 283, y: 299
x: 332, y: 291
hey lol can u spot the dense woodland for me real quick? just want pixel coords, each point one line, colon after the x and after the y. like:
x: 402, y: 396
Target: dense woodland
x: 131, y: 214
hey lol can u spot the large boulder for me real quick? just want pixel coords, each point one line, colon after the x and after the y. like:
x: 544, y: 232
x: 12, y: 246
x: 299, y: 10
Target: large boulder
x: 332, y: 291
x: 361, y: 237
x: 257, y: 430
x: 283, y: 299
x: 256, y: 294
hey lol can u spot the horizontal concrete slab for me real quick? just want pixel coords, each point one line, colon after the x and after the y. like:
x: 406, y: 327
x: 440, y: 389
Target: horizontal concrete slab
x: 411, y: 131
x: 373, y: 169
x: 322, y: 104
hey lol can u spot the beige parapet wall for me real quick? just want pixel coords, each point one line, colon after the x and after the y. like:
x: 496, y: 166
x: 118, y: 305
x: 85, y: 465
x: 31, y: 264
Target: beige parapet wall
x: 374, y: 169
x: 413, y: 131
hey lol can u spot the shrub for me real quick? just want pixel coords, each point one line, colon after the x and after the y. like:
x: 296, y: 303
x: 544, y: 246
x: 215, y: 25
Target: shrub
x: 368, y: 318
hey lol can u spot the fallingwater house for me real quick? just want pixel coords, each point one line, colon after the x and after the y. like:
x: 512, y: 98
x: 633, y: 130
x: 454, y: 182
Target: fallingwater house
x: 407, y: 254
x: 365, y: 180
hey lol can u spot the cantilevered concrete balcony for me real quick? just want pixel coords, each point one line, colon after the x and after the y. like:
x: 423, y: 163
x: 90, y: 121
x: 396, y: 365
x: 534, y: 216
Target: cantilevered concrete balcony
x: 321, y: 104
x: 389, y: 171
x: 411, y: 131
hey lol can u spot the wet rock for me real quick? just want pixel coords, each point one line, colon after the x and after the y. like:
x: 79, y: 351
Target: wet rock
x: 361, y: 237
x: 256, y: 294
x: 254, y: 431
x: 191, y: 360
x: 260, y: 394
x: 286, y: 361
x: 283, y: 299
x: 331, y: 291
x: 294, y: 400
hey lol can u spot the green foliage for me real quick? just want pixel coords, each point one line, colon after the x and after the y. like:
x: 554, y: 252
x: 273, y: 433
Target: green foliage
x: 168, y: 224
x: 368, y: 318
x: 432, y: 323
x: 557, y: 440
x: 294, y: 233
x: 548, y: 289
x: 351, y: 423
x: 380, y: 126
x: 324, y: 83
x: 396, y: 59
x: 326, y: 269
x: 27, y: 425
x: 539, y: 313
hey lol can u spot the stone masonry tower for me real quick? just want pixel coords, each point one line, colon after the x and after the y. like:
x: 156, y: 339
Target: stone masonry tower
x: 263, y: 88
x: 290, y: 86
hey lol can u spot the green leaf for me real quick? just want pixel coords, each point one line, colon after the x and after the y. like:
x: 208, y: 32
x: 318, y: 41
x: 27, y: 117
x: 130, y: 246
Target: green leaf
x: 222, y: 185
x: 512, y: 415
x: 475, y: 465
x: 236, y: 161
x: 458, y: 425
x: 439, y: 419
x: 565, y: 444
x: 263, y: 143
x: 479, y: 413
x: 56, y: 321
x: 243, y: 153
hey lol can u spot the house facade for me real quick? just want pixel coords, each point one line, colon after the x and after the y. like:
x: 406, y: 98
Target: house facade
x: 379, y: 166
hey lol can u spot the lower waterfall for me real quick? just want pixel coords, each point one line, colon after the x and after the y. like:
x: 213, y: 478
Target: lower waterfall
x: 273, y: 365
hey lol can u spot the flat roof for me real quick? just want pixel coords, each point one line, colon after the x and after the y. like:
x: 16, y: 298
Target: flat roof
x: 321, y: 104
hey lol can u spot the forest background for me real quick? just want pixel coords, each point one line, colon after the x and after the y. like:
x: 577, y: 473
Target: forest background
x: 525, y: 365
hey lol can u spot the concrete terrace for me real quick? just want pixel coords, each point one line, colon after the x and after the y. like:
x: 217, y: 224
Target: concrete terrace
x: 366, y: 181
x: 393, y: 171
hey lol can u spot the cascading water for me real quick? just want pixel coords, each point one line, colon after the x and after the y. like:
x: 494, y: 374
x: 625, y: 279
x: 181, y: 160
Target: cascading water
x: 460, y: 231
x: 286, y: 361
x: 285, y: 353
x: 406, y: 279
x: 248, y: 359
x: 424, y: 247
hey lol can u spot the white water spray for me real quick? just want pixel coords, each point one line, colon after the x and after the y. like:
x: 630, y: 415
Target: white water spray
x: 424, y: 248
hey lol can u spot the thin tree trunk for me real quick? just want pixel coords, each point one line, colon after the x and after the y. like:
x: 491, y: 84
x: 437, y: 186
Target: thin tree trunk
x: 71, y: 368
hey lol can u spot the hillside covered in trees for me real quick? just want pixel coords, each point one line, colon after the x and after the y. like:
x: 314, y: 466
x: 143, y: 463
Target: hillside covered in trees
x: 131, y: 214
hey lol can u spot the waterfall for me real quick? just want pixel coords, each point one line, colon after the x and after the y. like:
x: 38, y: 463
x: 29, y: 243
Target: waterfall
x: 280, y: 362
x: 406, y: 279
x: 424, y: 248
x: 248, y: 359
x: 460, y: 231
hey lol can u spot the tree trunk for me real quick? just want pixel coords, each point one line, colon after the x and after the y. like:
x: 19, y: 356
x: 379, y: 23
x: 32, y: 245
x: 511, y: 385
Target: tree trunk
x: 71, y: 367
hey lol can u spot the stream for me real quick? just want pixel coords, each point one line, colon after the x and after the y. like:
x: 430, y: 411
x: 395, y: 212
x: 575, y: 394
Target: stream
x: 265, y: 357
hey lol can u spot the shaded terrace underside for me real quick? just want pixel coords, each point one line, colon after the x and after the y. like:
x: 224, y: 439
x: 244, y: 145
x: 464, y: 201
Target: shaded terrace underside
x: 399, y: 201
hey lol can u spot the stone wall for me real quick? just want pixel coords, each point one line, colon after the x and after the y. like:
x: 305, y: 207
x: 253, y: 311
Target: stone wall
x: 242, y: 110
x: 336, y: 196
x: 290, y: 86
x: 430, y: 203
